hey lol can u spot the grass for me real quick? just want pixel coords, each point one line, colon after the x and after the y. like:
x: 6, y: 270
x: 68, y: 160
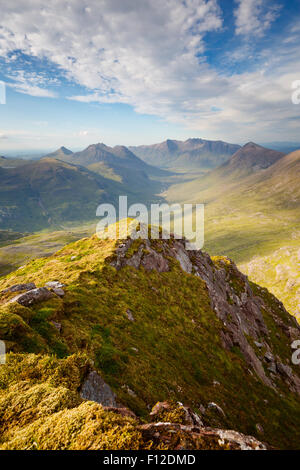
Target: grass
x: 172, y: 349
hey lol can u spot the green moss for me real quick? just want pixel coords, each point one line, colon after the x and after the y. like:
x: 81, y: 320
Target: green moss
x: 171, y: 351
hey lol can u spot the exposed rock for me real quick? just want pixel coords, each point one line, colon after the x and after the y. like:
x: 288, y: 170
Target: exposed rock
x: 164, y: 409
x: 231, y: 296
x: 130, y: 315
x: 182, y: 437
x: 54, y: 285
x: 216, y: 407
x: 20, y: 287
x: 95, y: 389
x: 183, y: 258
x: 33, y: 296
x: 129, y: 391
x: 56, y: 325
x: 58, y: 291
x: 284, y: 370
x: 259, y: 428
x: 269, y: 357
x: 272, y: 367
x: 120, y: 411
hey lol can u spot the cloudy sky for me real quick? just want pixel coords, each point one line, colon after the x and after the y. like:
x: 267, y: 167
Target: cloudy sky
x: 140, y: 71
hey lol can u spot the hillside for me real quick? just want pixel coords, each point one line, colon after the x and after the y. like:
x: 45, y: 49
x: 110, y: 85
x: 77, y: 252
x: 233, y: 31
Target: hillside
x: 192, y: 153
x: 251, y: 217
x: 6, y: 162
x: 122, y: 336
x: 48, y: 192
x: 60, y: 153
x: 119, y: 164
x: 250, y: 159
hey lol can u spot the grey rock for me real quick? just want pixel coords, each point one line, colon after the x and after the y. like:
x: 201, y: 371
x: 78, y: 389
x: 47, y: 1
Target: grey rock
x: 216, y: 407
x: 129, y: 315
x: 33, y: 296
x: 95, y: 389
x: 269, y: 357
x: 259, y: 345
x: 56, y: 325
x: 58, y: 291
x: 259, y: 428
x: 284, y: 370
x: 20, y: 287
x: 54, y: 285
x: 272, y: 368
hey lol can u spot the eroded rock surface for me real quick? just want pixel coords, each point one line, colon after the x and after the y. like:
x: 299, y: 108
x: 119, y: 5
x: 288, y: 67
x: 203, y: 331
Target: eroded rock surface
x: 232, y: 299
x: 33, y: 296
x: 95, y: 389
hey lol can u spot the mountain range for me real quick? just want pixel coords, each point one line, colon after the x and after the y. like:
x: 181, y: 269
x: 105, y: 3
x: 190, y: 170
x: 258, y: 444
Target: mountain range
x: 252, y: 210
x: 49, y: 192
x: 192, y: 153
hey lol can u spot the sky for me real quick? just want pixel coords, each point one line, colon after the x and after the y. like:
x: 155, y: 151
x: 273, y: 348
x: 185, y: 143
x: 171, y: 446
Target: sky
x: 137, y: 72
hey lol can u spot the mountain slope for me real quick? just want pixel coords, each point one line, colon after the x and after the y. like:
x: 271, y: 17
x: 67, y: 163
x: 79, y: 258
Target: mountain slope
x: 60, y: 153
x: 48, y: 192
x: 6, y: 162
x: 250, y: 218
x: 193, y: 153
x: 215, y: 343
x: 250, y: 159
x: 119, y: 164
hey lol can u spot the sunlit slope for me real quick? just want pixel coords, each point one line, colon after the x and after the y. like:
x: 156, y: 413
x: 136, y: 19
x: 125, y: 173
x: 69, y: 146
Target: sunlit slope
x: 49, y: 192
x: 252, y: 216
x: 148, y: 322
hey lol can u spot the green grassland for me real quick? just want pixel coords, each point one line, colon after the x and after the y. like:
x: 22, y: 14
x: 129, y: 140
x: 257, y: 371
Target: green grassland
x: 251, y: 217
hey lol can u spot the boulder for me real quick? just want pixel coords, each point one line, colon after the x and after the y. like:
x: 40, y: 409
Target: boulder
x: 20, y: 287
x: 33, y: 296
x: 54, y: 285
x: 95, y: 389
x: 216, y: 407
x: 129, y: 315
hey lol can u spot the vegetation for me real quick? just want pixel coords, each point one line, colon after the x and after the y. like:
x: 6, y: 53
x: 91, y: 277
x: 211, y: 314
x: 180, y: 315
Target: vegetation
x: 171, y: 350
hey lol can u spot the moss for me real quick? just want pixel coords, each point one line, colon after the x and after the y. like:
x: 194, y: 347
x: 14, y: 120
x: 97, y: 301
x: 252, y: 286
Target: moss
x: 177, y: 355
x: 175, y: 413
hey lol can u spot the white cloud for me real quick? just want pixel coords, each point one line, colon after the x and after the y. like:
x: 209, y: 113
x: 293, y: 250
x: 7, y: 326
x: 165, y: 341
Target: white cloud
x: 255, y: 16
x: 146, y: 54
x: 30, y: 84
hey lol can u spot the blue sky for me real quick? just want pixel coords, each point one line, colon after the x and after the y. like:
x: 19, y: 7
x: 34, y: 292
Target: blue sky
x: 128, y: 72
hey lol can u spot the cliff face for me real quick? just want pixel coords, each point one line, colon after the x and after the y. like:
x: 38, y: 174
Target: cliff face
x: 136, y: 322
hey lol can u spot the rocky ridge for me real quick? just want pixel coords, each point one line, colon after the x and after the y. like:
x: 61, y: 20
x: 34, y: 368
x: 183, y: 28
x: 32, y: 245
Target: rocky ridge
x: 131, y: 292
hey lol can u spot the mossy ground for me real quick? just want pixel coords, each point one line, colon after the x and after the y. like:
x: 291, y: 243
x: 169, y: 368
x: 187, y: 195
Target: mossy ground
x: 172, y: 350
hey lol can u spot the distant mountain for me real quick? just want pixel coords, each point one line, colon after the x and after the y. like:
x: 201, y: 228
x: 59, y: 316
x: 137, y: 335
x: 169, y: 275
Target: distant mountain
x: 192, y: 153
x: 48, y: 192
x: 116, y: 163
x: 60, y: 153
x: 286, y: 147
x: 249, y: 159
x: 8, y: 162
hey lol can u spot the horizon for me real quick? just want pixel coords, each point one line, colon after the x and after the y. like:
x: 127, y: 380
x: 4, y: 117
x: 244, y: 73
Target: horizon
x: 38, y: 153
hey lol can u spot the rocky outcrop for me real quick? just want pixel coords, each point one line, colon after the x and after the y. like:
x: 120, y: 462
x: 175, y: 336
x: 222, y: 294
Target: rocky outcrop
x: 95, y: 389
x: 20, y: 287
x: 33, y: 296
x: 232, y: 299
x: 181, y: 437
